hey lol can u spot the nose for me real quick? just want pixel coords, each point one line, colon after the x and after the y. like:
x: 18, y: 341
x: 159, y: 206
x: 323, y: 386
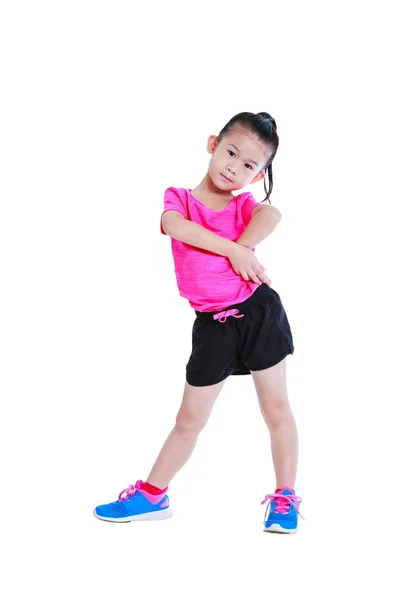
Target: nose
x: 231, y: 169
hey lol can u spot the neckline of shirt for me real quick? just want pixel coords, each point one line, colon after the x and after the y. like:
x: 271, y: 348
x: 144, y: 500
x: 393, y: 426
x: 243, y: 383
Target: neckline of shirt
x: 212, y: 209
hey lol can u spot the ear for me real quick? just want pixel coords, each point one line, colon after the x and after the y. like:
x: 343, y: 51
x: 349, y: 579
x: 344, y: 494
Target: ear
x: 212, y: 144
x: 258, y: 177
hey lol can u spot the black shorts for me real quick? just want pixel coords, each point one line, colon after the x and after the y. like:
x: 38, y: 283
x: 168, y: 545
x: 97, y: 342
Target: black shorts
x: 236, y: 345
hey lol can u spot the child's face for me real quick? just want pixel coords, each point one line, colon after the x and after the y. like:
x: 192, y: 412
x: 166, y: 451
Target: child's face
x: 237, y: 159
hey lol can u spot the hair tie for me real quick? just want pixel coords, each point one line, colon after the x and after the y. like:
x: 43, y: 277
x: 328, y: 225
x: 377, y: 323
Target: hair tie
x: 268, y: 117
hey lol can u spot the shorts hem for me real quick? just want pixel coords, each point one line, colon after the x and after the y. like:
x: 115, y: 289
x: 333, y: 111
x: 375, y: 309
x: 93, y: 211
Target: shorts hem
x: 271, y: 364
x: 206, y: 384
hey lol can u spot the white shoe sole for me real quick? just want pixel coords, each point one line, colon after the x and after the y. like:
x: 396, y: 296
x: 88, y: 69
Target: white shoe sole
x: 158, y: 515
x: 275, y: 528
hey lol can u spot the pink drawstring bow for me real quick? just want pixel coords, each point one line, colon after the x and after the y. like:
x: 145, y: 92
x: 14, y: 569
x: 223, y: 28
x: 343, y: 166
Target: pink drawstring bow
x: 222, y: 316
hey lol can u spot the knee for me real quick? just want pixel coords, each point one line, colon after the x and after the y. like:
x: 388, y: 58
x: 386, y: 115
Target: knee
x: 189, y: 423
x: 276, y: 410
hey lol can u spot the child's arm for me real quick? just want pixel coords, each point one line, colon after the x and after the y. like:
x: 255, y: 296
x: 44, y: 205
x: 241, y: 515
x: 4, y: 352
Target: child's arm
x: 264, y: 220
x: 242, y: 259
x: 176, y: 226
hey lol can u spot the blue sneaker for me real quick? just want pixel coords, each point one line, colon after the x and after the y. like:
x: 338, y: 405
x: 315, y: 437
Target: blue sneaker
x: 283, y: 513
x: 134, y: 504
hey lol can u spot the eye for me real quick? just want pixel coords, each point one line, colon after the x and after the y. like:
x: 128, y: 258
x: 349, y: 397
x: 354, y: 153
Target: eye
x: 248, y: 166
x: 231, y: 153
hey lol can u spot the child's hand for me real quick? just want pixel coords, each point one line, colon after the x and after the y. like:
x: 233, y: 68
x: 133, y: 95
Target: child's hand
x: 245, y: 263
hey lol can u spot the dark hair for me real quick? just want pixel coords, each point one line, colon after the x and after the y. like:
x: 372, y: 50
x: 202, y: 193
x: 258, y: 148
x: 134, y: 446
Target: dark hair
x: 264, y: 126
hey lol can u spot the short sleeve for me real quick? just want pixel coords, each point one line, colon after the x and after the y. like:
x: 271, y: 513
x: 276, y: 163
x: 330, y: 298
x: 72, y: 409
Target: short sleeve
x: 249, y: 204
x: 174, y: 199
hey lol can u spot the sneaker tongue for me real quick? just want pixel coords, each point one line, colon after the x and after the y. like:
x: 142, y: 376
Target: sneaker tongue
x: 286, y: 492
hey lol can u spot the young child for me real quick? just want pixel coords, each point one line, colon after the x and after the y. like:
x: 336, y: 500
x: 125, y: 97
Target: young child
x: 241, y: 326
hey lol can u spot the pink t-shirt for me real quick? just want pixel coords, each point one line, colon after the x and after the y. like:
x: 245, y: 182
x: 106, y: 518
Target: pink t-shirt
x: 206, y: 279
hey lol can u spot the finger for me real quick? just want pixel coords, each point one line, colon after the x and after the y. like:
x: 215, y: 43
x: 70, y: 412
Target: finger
x: 254, y: 277
x: 265, y: 278
x: 244, y: 275
x: 260, y: 271
x: 258, y: 266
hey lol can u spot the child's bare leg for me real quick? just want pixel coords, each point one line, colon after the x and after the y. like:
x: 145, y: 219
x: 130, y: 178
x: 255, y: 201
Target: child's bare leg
x: 274, y: 404
x: 193, y: 415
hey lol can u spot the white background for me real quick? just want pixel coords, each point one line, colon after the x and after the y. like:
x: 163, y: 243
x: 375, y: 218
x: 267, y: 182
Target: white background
x: 104, y: 105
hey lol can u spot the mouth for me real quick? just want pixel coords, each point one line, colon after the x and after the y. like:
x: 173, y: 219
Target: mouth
x: 226, y: 178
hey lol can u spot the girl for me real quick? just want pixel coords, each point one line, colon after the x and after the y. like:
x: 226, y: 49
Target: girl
x: 240, y: 327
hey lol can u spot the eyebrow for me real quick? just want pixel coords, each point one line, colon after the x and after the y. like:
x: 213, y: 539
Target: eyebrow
x: 237, y: 150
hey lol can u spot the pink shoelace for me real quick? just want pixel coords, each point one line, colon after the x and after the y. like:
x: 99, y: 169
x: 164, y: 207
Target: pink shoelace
x: 130, y: 491
x: 222, y: 316
x: 282, y: 503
